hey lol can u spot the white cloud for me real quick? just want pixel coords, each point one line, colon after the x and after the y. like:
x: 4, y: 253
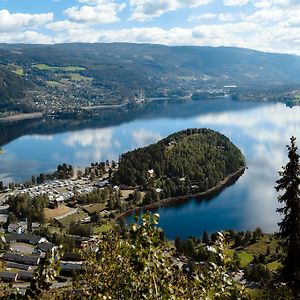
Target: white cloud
x: 145, y: 10
x: 235, y: 2
x: 228, y: 17
x: 96, y: 11
x: 267, y: 25
x: 10, y: 22
x: 66, y: 25
x: 201, y: 17
x: 29, y: 37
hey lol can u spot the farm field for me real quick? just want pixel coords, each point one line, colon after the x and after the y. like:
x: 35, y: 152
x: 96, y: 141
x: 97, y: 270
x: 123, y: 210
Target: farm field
x: 44, y: 67
x: 78, y: 77
x: 52, y: 83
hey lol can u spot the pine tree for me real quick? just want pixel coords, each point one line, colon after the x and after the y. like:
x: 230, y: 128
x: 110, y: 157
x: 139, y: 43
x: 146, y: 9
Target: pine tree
x: 290, y: 224
x: 205, y: 237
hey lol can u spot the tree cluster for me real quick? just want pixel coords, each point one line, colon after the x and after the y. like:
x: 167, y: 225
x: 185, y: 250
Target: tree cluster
x: 23, y: 206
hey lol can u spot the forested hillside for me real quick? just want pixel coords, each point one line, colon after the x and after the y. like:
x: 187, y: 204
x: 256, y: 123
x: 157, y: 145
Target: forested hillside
x: 12, y: 86
x: 219, y: 62
x: 192, y: 159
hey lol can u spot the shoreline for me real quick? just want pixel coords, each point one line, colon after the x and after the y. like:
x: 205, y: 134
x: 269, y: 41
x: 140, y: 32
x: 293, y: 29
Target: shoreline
x: 229, y: 180
x: 21, y: 117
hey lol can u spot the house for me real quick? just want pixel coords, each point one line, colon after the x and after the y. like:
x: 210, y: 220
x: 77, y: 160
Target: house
x: 72, y: 257
x: 101, y: 184
x: 16, y: 228
x: 8, y: 276
x: 46, y: 247
x: 25, y: 275
x: 14, y: 265
x: 25, y: 238
x: 69, y: 268
x: 22, y: 259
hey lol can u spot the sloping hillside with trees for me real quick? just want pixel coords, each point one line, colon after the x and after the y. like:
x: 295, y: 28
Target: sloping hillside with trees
x: 12, y: 88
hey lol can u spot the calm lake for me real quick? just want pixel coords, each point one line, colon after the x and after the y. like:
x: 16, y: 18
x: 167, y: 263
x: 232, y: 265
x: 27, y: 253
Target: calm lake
x: 260, y: 130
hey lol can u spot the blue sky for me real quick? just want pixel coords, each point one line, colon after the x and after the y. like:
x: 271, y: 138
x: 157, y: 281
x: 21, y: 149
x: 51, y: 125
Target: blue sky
x: 267, y: 25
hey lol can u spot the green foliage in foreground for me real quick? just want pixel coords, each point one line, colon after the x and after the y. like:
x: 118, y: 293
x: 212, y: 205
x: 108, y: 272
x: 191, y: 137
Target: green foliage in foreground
x: 140, y: 266
x: 195, y: 159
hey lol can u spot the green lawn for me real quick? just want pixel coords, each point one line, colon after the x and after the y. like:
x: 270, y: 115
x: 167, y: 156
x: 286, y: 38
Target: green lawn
x: 101, y: 229
x: 261, y: 246
x: 44, y: 67
x: 79, y: 215
x: 274, y: 265
x: 19, y: 71
x: 78, y: 77
x: 245, y: 257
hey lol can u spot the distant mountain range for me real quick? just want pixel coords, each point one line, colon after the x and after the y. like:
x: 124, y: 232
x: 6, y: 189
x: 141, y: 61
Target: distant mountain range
x: 240, y: 64
x: 151, y: 69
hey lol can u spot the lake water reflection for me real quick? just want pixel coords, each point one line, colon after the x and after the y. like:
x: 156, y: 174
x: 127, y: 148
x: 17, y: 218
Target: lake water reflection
x: 261, y: 131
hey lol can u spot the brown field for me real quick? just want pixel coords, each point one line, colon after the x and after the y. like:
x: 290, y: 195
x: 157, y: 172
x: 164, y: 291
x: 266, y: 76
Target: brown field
x: 59, y: 211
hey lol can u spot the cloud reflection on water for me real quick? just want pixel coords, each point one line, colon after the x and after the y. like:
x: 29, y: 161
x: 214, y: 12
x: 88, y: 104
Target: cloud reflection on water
x: 144, y: 137
x: 93, y: 144
x: 267, y: 130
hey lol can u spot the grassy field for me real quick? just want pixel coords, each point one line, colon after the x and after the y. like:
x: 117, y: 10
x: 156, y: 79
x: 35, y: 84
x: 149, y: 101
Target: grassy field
x: 101, y: 229
x: 78, y: 77
x: 245, y: 257
x: 52, y: 83
x: 79, y: 215
x: 59, y: 211
x: 19, y: 71
x: 44, y: 67
x: 274, y: 265
x: 261, y: 246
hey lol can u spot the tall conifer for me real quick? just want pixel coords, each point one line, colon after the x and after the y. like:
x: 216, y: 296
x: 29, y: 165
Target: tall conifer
x: 289, y: 226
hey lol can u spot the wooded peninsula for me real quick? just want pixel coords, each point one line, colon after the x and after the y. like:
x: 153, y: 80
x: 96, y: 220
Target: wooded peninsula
x: 187, y: 162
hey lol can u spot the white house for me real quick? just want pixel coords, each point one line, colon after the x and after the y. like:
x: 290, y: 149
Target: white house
x: 16, y: 228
